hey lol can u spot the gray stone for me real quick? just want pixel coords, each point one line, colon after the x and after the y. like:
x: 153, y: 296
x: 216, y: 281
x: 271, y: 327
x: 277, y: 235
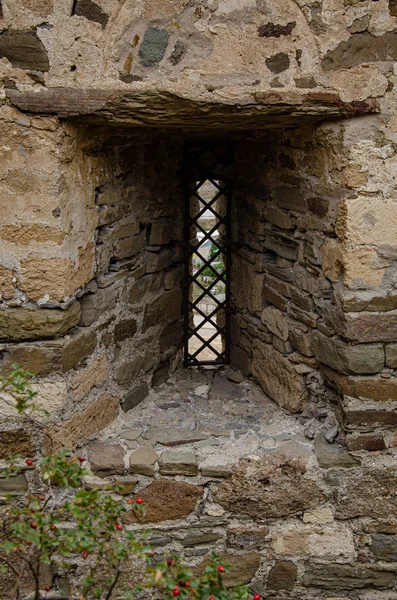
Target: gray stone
x: 126, y: 370
x: 135, y: 397
x: 236, y: 377
x: 332, y: 455
x: 246, y: 538
x: 142, y: 461
x: 278, y: 63
x: 290, y: 199
x: 93, y: 306
x: 347, y: 577
x: 24, y: 49
x: 131, y: 434
x: 171, y: 436
x: 91, y: 11
x: 361, y: 48
x: 165, y: 308
x: 384, y: 547
x: 106, y: 459
x: 178, y: 52
x: 391, y: 355
x: 161, y: 374
x: 15, y: 485
x: 198, y: 540
x: 172, y: 335
x: 153, y: 46
x: 344, y: 358
x: 178, y: 463
x: 216, y: 471
x: 125, y: 330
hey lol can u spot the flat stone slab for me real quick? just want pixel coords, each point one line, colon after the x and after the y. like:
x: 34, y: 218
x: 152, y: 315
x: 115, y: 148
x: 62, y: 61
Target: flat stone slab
x: 332, y: 455
x: 142, y: 461
x: 178, y: 463
x: 171, y: 436
x: 105, y: 458
x: 131, y: 434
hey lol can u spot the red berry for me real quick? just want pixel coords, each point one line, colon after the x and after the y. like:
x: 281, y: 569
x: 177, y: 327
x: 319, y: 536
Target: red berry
x: 54, y: 527
x: 29, y: 543
x: 33, y: 525
x: 176, y: 592
x: 211, y: 598
x: 182, y: 584
x: 119, y: 527
x: 84, y: 554
x: 139, y: 501
x: 47, y: 589
x: 221, y: 569
x: 29, y: 462
x: 170, y: 562
x: 81, y: 459
x: 130, y: 501
x: 257, y: 597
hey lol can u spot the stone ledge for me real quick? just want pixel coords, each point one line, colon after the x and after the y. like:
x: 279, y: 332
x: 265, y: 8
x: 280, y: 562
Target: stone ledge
x: 149, y: 108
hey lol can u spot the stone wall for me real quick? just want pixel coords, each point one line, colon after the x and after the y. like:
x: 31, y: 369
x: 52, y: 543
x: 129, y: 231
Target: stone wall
x: 313, y: 290
x: 91, y: 298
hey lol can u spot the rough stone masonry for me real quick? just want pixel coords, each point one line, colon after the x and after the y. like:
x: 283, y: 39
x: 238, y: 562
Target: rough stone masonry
x: 97, y: 101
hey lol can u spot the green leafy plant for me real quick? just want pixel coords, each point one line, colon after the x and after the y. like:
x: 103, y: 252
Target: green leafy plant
x: 62, y: 524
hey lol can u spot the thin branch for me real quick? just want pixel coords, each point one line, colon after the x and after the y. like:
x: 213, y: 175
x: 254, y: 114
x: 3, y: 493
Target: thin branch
x: 114, y: 583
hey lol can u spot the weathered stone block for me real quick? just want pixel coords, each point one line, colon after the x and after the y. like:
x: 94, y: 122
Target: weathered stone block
x: 106, y: 459
x: 93, y: 306
x: 39, y: 359
x: 142, y: 461
x: 165, y: 308
x: 368, y: 327
x: 91, y: 11
x: 190, y: 541
x: 347, y: 577
x: 248, y: 294
x: 356, y: 360
x: 166, y: 500
x: 24, y: 49
x: 332, y: 455
x: 372, y: 442
x: 15, y: 485
x: 247, y: 538
x: 178, y: 463
x: 82, y: 425
x: 240, y: 359
x: 127, y: 370
x: 16, y: 441
x: 384, y: 547
x: 279, y: 377
x: 77, y: 348
x: 91, y: 376
x: 171, y: 335
x: 243, y: 567
x: 125, y: 330
x: 157, y: 261
x: 172, y: 436
x: 153, y: 46
x: 269, y: 487
x: 282, y: 576
x: 276, y: 321
x: 374, y: 388
x: 391, y: 355
x: 366, y: 492
x: 161, y: 233
x: 318, y: 286
x: 128, y: 247
x: 290, y: 199
x: 135, y: 397
x: 7, y: 289
x: 37, y: 323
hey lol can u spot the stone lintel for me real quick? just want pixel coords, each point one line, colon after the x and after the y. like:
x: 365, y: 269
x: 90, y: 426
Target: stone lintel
x: 154, y: 108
